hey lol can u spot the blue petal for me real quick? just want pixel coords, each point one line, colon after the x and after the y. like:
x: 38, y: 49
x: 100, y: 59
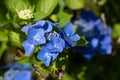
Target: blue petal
x: 9, y: 75
x: 109, y: 30
x: 43, y: 53
x: 26, y: 28
x: 94, y: 42
x: 56, y: 44
x: 68, y: 29
x: 28, y: 47
x: 36, y: 36
x: 23, y: 75
x: 47, y: 27
x: 40, y: 23
x: 88, y: 15
x: 54, y: 56
x: 109, y: 49
x: 107, y: 40
x: 47, y: 62
x: 54, y: 40
x: 75, y: 37
x: 68, y: 41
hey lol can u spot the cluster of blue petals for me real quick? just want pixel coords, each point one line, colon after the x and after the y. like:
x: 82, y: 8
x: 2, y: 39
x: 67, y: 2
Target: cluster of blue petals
x: 97, y: 34
x: 18, y: 71
x: 43, y: 34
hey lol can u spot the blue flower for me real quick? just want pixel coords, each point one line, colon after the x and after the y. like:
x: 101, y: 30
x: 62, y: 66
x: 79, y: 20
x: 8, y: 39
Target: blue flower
x: 28, y: 47
x: 50, y: 51
x: 16, y: 65
x: 23, y: 75
x: 36, y: 36
x: 46, y: 56
x: 105, y: 46
x: 94, y: 42
x: 88, y: 52
x: 18, y: 72
x: 55, y: 44
x: 104, y: 30
x: 42, y: 24
x: 97, y: 34
x: 87, y: 23
x: 69, y: 35
x: 17, y: 75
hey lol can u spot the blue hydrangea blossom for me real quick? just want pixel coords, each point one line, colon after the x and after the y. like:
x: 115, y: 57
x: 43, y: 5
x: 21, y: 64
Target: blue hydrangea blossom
x: 43, y: 34
x: 97, y: 34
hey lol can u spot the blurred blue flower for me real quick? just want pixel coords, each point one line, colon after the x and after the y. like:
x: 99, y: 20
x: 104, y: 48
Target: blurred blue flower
x: 105, y: 46
x: 87, y: 22
x: 97, y: 34
x: 17, y: 65
x: 87, y: 52
x: 18, y: 72
x: 17, y: 75
x: 69, y: 35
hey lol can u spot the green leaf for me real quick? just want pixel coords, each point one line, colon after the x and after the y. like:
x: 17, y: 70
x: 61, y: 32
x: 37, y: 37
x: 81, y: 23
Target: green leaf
x: 14, y: 38
x: 3, y: 47
x: 82, y: 41
x: 67, y: 77
x: 17, y: 5
x: 116, y: 31
x: 24, y: 60
x: 64, y: 18
x: 3, y: 35
x: 44, y: 8
x: 74, y: 4
x: 3, y: 19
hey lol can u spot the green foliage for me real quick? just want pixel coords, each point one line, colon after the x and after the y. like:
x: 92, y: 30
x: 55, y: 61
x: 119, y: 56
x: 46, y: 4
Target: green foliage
x: 116, y: 31
x: 74, y: 4
x: 44, y: 8
x: 82, y: 41
x: 14, y: 39
x: 68, y: 77
x: 64, y: 18
x: 17, y: 5
x: 3, y: 9
x: 3, y: 35
x: 3, y: 47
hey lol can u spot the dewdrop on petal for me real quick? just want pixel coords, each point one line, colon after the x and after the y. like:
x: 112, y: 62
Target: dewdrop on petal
x: 25, y: 14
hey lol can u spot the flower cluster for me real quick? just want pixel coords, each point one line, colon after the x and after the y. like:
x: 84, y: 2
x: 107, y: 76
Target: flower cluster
x: 43, y: 34
x: 25, y: 14
x: 96, y: 32
x: 17, y: 71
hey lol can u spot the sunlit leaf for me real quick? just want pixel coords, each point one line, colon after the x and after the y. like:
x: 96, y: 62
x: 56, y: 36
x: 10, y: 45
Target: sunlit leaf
x: 64, y: 18
x: 14, y: 38
x: 44, y: 8
x: 75, y: 4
